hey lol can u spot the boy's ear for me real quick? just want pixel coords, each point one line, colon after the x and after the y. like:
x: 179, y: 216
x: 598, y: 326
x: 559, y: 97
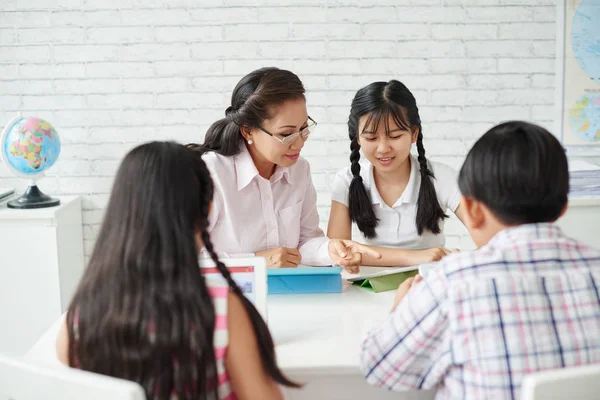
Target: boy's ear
x: 473, y: 210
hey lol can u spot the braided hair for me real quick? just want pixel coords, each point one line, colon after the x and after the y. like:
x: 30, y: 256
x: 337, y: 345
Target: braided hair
x: 266, y: 346
x: 142, y: 310
x: 377, y: 101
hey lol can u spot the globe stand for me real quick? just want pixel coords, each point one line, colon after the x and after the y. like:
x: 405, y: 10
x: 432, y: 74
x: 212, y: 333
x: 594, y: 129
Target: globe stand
x: 33, y: 198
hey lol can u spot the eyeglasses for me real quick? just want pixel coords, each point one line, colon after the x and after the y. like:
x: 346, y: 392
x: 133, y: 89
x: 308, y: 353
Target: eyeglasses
x: 289, y: 139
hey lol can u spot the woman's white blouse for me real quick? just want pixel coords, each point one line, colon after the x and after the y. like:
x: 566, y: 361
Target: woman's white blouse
x: 251, y: 213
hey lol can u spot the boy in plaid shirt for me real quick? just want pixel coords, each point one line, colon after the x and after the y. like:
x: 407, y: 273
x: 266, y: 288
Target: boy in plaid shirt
x: 526, y: 300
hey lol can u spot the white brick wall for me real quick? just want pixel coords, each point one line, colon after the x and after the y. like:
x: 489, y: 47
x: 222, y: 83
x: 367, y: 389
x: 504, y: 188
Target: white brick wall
x: 110, y: 74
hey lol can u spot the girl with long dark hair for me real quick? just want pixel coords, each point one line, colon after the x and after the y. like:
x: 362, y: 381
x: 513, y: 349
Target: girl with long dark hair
x: 143, y: 310
x: 397, y: 201
x: 265, y: 201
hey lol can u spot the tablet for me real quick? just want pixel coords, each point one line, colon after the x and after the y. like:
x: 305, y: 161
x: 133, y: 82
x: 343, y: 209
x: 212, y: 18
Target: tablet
x: 250, y: 273
x: 304, y: 280
x: 303, y: 270
x: 381, y: 272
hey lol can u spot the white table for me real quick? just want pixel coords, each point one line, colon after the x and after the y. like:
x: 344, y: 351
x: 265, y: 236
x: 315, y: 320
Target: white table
x: 317, y: 338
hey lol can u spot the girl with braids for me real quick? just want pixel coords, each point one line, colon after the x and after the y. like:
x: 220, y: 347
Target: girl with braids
x: 265, y: 202
x: 144, y: 312
x: 396, y: 200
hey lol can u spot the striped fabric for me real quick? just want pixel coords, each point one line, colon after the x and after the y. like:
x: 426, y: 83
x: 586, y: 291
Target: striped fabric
x: 219, y: 291
x: 527, y: 301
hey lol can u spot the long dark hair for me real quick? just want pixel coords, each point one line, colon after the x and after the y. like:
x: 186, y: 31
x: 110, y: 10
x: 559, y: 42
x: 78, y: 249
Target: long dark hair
x: 520, y: 171
x: 252, y: 102
x: 142, y: 310
x: 380, y: 100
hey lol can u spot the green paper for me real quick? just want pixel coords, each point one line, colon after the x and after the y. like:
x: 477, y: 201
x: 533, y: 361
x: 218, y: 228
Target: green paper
x: 384, y: 283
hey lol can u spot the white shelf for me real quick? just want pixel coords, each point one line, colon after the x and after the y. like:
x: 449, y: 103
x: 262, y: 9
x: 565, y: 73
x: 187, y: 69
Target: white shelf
x: 41, y: 262
x: 50, y: 213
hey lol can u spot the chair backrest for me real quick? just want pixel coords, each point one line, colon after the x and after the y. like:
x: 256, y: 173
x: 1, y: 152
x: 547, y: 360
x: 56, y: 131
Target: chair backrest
x: 580, y: 383
x: 23, y: 381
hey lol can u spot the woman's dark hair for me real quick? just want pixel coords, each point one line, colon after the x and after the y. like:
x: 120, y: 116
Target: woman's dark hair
x: 142, y: 310
x: 378, y: 101
x: 520, y: 171
x: 253, y: 101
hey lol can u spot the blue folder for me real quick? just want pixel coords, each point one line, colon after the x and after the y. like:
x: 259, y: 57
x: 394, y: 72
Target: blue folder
x: 304, y: 280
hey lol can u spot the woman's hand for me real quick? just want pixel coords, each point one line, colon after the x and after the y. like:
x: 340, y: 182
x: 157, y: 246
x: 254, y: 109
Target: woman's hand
x: 281, y: 257
x: 348, y: 254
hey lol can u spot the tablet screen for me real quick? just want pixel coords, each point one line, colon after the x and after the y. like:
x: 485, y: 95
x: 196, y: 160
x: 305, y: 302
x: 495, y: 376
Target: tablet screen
x: 249, y: 273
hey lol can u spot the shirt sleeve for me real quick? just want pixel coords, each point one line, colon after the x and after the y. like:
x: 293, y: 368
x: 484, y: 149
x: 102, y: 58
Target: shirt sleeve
x: 446, y: 185
x: 341, y: 186
x: 411, y: 349
x: 313, y: 244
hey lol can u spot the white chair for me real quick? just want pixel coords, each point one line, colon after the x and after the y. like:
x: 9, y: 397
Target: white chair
x: 23, y: 381
x: 580, y: 383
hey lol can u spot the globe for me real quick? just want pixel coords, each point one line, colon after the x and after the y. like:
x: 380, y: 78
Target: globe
x: 29, y: 146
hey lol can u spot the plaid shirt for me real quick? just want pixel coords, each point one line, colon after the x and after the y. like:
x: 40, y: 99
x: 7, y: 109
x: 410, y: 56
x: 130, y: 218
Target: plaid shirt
x: 525, y: 302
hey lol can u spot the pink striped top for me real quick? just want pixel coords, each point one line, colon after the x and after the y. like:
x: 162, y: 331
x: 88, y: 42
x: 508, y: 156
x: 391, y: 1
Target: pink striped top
x: 218, y: 290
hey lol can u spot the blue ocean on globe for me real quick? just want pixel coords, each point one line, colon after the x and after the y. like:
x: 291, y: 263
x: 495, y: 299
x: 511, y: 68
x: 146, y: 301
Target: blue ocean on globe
x: 585, y: 36
x: 30, y: 146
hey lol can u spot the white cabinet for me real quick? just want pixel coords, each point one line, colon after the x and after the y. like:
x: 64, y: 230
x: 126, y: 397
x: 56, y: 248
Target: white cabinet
x: 41, y: 262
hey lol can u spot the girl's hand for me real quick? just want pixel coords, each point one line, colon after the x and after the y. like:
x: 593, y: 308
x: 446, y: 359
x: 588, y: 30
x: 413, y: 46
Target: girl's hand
x: 281, y: 257
x: 348, y: 254
x: 429, y: 255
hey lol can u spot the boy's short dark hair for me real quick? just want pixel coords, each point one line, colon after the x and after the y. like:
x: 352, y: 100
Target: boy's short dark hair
x: 520, y: 171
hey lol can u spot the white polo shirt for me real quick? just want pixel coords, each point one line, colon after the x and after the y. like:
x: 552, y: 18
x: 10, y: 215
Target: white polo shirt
x: 396, y: 227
